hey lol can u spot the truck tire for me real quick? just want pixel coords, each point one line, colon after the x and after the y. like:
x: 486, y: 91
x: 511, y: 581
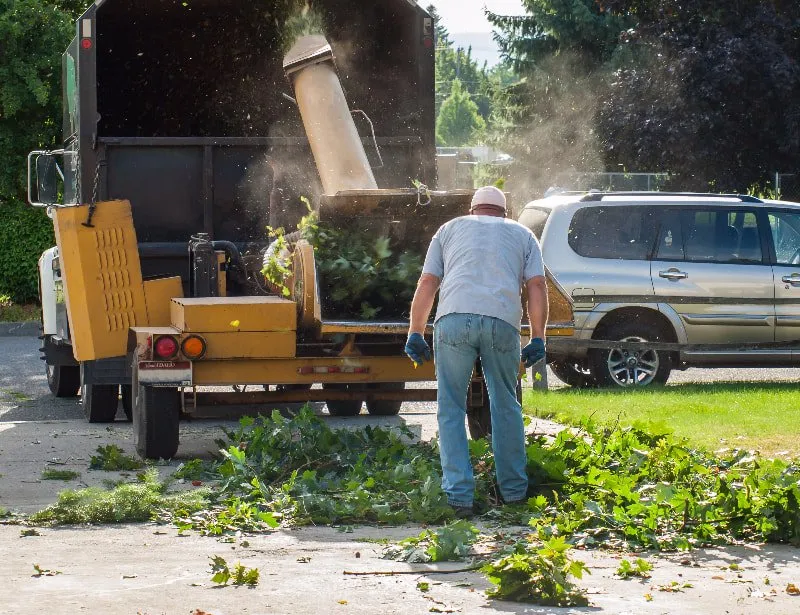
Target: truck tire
x: 386, y: 407
x: 64, y: 380
x: 156, y: 415
x: 126, y: 395
x: 573, y: 373
x: 342, y: 407
x: 99, y: 402
x: 617, y: 368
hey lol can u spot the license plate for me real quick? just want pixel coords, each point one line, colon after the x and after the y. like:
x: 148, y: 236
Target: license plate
x: 165, y: 373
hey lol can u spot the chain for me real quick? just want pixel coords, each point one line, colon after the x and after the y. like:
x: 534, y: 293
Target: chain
x: 95, y: 192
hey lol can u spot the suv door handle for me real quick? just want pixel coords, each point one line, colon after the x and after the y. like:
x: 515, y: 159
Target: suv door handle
x: 793, y: 279
x: 673, y: 274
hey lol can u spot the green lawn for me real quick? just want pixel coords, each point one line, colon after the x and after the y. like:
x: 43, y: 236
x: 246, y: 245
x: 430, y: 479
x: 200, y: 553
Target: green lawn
x: 761, y: 416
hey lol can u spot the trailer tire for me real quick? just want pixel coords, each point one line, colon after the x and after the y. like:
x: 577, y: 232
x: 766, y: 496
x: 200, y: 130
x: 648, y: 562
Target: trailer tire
x: 386, y: 407
x: 99, y: 402
x: 64, y: 380
x: 156, y: 415
x: 573, y: 373
x: 479, y: 418
x: 340, y: 407
x: 126, y: 394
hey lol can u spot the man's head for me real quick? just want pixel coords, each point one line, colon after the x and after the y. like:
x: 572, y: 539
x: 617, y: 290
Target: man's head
x: 488, y: 201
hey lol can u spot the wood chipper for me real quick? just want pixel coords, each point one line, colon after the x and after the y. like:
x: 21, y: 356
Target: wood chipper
x: 218, y: 335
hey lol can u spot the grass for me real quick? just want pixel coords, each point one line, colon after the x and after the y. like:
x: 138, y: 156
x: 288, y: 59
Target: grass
x: 763, y: 417
x: 52, y: 474
x: 13, y: 312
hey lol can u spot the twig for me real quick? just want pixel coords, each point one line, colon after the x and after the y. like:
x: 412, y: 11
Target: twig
x: 427, y: 571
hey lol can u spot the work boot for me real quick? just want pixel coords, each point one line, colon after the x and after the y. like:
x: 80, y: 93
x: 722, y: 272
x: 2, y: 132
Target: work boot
x: 463, y: 512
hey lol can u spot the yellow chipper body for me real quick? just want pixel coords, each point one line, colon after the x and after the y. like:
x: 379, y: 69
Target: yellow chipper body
x: 177, y: 346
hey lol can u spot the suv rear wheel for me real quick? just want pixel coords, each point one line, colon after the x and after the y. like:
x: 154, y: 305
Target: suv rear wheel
x: 630, y: 368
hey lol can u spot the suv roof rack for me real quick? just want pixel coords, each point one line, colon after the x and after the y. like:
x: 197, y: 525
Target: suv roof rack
x: 744, y: 198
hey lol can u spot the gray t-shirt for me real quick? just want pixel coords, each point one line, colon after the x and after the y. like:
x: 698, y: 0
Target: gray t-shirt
x: 483, y: 263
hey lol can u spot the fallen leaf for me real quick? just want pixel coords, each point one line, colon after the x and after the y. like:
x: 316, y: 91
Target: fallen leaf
x: 235, y: 324
x: 792, y: 590
x: 648, y: 597
x: 342, y: 601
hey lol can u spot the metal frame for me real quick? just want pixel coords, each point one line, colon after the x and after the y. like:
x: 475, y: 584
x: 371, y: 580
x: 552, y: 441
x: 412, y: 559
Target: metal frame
x: 37, y: 154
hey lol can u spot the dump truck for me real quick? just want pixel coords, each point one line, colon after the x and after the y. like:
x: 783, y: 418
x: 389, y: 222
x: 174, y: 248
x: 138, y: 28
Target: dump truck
x: 189, y: 128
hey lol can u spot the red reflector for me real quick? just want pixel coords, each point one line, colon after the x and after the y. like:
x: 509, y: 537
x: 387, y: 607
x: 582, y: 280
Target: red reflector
x: 334, y: 370
x: 428, y: 42
x: 165, y: 347
x: 303, y: 371
x: 361, y: 370
x: 86, y: 43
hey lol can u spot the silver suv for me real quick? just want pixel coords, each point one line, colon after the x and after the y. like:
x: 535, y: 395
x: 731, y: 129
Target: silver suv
x: 717, y: 276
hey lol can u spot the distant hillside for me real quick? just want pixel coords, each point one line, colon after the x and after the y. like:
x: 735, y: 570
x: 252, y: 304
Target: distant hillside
x: 483, y: 46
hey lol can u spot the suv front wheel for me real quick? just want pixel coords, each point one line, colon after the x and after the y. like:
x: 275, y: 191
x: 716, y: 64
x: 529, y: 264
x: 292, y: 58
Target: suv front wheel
x: 630, y: 368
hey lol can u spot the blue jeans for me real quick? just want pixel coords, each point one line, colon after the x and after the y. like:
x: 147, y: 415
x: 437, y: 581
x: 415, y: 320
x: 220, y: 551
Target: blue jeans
x: 459, y: 339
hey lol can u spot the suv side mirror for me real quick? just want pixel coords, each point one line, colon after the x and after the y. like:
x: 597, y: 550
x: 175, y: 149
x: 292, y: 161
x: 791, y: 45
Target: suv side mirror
x: 44, y: 177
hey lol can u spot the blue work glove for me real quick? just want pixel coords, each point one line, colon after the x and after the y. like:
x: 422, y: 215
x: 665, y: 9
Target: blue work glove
x: 417, y: 349
x: 533, y: 352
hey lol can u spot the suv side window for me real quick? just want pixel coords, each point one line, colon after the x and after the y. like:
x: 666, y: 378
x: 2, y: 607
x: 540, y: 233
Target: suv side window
x: 785, y: 227
x: 613, y: 232
x: 721, y: 236
x: 534, y: 218
x: 670, y: 237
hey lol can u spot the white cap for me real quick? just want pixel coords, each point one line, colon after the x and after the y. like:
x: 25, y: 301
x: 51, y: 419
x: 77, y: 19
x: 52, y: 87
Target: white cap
x: 489, y: 195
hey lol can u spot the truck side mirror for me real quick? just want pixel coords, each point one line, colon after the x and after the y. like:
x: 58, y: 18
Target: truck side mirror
x: 44, y: 176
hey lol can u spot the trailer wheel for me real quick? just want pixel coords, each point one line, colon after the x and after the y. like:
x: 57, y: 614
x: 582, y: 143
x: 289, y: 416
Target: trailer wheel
x: 156, y: 412
x: 340, y: 407
x: 99, y: 402
x: 479, y: 417
x: 64, y: 380
x: 126, y: 394
x: 385, y: 407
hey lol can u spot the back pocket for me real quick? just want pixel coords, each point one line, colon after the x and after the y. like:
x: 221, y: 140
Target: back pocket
x: 505, y: 338
x: 453, y: 330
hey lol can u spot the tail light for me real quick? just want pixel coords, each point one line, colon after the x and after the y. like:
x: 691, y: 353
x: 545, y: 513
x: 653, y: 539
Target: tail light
x: 193, y: 347
x: 165, y: 347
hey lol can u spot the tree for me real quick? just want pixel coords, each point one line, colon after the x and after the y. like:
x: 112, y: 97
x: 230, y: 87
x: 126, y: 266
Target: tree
x: 459, y: 121
x: 712, y: 94
x: 545, y: 120
x: 34, y: 34
x: 582, y: 27
x: 441, y: 36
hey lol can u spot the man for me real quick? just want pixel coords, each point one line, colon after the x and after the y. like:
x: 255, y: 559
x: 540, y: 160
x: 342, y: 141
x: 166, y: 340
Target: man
x: 479, y: 264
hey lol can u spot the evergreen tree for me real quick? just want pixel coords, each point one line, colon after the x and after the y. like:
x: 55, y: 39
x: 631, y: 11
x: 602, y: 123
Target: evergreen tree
x: 459, y: 122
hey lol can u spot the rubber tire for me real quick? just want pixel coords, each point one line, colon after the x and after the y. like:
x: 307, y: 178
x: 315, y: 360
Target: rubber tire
x: 479, y: 418
x: 126, y: 395
x: 156, y: 416
x: 339, y: 407
x: 99, y: 402
x: 569, y: 372
x: 385, y: 407
x: 598, y: 357
x: 64, y: 380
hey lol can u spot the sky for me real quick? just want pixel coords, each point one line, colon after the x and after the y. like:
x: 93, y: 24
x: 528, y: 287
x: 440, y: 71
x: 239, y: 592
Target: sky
x: 467, y: 15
